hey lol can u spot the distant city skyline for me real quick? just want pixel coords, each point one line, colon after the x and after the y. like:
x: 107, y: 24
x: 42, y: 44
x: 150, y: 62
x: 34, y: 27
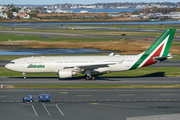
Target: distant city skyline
x: 51, y: 2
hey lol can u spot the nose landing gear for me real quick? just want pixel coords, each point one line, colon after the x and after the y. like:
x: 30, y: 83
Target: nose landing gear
x: 24, y: 74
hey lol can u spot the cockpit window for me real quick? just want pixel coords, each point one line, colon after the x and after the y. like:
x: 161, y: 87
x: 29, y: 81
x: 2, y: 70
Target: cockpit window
x: 12, y: 62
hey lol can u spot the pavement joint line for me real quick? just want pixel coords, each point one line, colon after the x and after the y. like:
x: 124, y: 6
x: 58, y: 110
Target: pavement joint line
x: 136, y: 107
x: 83, y: 95
x: 168, y: 94
x: 126, y: 94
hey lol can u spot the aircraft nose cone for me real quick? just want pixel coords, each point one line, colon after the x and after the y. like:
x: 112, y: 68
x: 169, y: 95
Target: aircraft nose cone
x: 8, y: 66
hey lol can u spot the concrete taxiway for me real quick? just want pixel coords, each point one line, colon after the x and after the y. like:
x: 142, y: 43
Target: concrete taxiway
x: 88, y: 104
x: 98, y: 81
x: 80, y: 35
x: 87, y: 28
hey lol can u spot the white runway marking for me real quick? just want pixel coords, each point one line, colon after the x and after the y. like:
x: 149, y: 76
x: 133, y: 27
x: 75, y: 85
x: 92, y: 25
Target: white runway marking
x: 46, y: 109
x: 32, y: 108
x: 59, y: 110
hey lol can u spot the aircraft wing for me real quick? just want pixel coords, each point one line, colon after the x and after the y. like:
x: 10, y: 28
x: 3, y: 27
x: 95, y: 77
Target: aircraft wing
x: 93, y: 66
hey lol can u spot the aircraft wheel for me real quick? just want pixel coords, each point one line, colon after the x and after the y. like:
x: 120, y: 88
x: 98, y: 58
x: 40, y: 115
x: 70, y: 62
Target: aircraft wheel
x: 93, y: 78
x: 87, y: 77
x: 24, y: 78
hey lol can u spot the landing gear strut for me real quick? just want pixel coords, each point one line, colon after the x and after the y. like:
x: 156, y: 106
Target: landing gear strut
x: 24, y: 74
x: 88, y: 75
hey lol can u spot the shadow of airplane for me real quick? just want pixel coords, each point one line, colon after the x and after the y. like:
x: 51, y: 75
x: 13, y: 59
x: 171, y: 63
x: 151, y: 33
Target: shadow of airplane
x: 156, y: 74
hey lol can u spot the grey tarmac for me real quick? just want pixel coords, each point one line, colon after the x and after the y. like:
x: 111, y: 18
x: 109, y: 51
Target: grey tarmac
x: 87, y: 28
x: 80, y: 35
x: 88, y: 104
x: 98, y: 81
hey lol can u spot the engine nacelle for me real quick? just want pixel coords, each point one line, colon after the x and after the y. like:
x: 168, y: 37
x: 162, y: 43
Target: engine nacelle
x: 65, y: 73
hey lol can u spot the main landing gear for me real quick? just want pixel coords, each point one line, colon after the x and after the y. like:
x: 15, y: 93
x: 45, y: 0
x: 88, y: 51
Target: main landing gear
x: 88, y: 75
x: 24, y: 74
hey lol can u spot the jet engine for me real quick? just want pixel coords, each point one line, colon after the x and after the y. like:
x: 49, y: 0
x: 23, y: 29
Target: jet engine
x: 66, y: 73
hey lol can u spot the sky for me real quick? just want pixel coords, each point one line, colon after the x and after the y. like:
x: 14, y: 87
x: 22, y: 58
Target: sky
x: 51, y: 2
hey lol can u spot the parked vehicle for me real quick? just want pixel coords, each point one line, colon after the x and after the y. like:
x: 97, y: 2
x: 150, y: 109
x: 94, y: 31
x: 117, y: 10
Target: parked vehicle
x: 44, y: 98
x: 29, y: 98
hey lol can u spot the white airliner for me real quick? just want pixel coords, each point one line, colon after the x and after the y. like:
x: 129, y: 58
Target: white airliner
x: 69, y: 66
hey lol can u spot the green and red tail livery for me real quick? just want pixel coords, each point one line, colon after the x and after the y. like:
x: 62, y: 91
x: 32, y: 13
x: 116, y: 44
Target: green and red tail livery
x: 159, y: 48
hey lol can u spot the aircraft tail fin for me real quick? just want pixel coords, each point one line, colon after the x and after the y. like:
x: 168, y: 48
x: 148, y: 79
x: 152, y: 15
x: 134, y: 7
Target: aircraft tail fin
x: 159, y: 48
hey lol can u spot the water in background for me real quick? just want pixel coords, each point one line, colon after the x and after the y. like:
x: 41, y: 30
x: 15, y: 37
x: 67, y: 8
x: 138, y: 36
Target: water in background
x: 103, y: 10
x: 96, y: 23
x: 42, y: 51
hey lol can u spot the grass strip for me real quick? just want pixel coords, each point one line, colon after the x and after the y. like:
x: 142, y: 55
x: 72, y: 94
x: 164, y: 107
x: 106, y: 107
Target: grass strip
x: 96, y: 86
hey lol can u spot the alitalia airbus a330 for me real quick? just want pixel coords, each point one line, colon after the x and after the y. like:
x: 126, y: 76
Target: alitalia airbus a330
x: 69, y: 66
